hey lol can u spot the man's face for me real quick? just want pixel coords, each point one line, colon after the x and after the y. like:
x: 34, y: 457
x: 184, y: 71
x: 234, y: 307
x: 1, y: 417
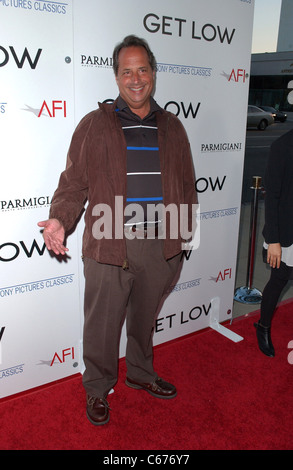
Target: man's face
x: 135, y: 79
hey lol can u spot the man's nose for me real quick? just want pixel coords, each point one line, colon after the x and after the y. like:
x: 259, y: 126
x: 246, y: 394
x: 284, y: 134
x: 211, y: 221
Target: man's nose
x: 135, y: 76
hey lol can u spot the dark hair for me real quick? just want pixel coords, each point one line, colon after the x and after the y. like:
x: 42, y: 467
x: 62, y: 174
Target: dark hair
x: 129, y: 41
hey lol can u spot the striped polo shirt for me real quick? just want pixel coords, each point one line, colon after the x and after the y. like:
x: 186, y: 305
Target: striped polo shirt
x: 143, y: 163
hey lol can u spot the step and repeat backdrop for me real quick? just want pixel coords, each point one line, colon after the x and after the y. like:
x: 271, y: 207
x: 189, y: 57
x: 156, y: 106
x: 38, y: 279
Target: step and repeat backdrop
x: 55, y: 66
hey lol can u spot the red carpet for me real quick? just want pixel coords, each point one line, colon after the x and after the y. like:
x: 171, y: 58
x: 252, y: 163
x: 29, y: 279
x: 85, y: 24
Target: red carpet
x: 230, y: 397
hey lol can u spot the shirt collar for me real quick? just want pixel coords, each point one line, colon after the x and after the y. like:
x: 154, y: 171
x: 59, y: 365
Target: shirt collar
x: 121, y: 104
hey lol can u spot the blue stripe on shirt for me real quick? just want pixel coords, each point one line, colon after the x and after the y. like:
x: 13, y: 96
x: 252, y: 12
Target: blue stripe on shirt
x: 143, y: 148
x: 131, y: 199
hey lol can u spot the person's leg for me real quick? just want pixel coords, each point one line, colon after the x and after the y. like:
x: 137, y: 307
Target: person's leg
x: 153, y: 276
x: 270, y: 297
x: 107, y: 290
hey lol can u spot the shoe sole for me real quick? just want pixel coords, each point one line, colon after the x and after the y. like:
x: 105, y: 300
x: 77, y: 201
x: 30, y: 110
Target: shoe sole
x: 138, y: 387
x: 95, y: 422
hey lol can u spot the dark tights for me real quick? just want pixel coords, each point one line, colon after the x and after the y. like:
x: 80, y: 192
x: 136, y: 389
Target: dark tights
x: 270, y: 296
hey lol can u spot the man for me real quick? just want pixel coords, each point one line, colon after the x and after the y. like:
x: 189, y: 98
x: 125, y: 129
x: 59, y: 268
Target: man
x: 134, y: 152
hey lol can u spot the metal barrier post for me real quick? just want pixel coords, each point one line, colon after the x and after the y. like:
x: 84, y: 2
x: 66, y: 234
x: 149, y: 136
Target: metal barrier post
x: 248, y: 294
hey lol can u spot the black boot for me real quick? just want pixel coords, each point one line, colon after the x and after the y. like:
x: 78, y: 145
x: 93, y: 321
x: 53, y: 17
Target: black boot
x: 263, y: 334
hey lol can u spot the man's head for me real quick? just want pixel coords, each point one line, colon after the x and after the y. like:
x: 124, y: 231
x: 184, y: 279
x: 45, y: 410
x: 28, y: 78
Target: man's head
x: 130, y: 41
x: 134, y: 67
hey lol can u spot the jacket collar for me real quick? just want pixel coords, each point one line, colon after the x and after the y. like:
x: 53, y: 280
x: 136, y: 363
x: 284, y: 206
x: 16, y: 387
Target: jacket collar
x: 120, y: 104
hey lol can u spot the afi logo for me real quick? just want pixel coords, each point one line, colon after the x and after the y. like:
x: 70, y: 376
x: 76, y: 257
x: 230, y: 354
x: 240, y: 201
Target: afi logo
x: 19, y: 60
x: 237, y: 75
x: 64, y: 354
x: 51, y: 108
x: 226, y: 274
x: 223, y: 275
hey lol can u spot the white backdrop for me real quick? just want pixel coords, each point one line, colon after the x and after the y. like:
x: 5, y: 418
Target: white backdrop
x: 55, y: 65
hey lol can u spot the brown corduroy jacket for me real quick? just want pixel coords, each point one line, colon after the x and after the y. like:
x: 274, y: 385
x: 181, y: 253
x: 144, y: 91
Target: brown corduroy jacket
x: 96, y: 172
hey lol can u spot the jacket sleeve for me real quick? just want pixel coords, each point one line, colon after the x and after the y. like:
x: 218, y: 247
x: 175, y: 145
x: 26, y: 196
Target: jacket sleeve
x: 273, y: 181
x: 70, y: 196
x: 190, y: 194
x: 188, y: 179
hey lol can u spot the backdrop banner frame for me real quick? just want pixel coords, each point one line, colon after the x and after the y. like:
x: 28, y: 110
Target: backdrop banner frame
x: 56, y: 65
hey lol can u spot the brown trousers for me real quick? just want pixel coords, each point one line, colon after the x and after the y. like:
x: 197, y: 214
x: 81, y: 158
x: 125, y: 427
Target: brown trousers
x: 113, y: 294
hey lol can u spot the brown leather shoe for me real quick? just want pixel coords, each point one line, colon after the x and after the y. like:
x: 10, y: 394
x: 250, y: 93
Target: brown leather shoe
x: 97, y: 410
x: 159, y: 388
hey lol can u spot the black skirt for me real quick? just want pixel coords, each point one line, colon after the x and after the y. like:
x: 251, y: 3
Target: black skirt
x: 284, y: 271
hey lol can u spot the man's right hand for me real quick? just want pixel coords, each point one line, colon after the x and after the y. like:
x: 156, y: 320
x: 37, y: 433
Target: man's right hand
x: 54, y: 235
